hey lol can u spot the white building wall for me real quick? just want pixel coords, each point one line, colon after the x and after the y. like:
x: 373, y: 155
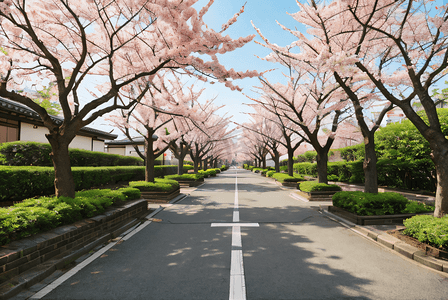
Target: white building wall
x: 120, y: 151
x: 130, y: 151
x: 30, y: 134
x: 98, y: 146
x: 81, y: 142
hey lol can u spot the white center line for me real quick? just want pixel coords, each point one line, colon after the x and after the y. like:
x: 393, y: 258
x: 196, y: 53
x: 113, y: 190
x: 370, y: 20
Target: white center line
x: 237, y: 281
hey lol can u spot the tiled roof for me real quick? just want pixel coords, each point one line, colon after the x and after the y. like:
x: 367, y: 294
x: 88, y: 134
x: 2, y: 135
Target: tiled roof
x: 136, y: 140
x: 21, y: 109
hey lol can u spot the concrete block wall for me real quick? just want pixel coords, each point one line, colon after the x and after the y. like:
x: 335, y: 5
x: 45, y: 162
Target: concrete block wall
x: 22, y: 255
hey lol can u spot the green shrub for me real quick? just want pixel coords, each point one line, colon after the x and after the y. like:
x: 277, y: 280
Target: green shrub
x: 314, y: 186
x: 209, y: 172
x: 38, y: 154
x: 332, y: 177
x: 18, y: 183
x: 306, y: 168
x: 428, y: 229
x: 130, y: 193
x: 159, y: 185
x: 41, y: 214
x: 353, y: 153
x: 270, y: 173
x: 186, y: 177
x: 366, y: 204
x: 283, y: 177
x: 414, y: 207
x: 284, y: 168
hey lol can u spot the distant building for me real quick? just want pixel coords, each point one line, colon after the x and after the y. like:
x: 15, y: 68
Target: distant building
x: 395, y: 115
x: 20, y: 123
x: 126, y: 147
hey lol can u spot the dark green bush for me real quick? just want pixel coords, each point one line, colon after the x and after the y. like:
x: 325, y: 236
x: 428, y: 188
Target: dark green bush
x: 366, y: 204
x: 37, y: 215
x: 353, y: 153
x: 38, y: 154
x: 18, y: 183
x: 332, y: 177
x: 306, y: 168
x: 314, y: 186
x: 428, y: 229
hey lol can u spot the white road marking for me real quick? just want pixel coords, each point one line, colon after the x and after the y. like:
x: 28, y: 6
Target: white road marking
x: 237, y: 281
x: 235, y: 225
x: 43, y: 292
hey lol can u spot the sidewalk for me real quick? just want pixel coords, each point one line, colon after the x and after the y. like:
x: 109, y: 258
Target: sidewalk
x: 378, y: 233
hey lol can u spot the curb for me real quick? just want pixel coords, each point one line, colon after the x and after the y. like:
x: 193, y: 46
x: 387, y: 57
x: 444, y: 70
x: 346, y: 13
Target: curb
x: 46, y: 269
x: 391, y: 243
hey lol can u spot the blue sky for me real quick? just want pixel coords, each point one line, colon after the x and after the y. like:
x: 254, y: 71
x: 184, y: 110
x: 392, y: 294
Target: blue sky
x: 264, y: 14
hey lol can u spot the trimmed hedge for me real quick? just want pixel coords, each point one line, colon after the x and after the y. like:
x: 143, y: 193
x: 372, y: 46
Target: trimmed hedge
x: 159, y: 185
x: 38, y: 154
x: 186, y: 177
x: 283, y: 177
x: 428, y: 229
x: 415, y: 175
x: 314, y: 186
x: 367, y: 204
x: 209, y: 172
x: 18, y: 183
x: 270, y: 173
x: 37, y: 215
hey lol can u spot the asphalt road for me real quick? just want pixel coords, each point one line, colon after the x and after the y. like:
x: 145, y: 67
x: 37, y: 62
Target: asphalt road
x: 295, y: 253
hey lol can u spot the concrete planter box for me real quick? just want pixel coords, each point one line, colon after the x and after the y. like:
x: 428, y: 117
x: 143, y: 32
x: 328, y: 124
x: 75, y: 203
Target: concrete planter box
x: 28, y: 261
x: 290, y: 184
x: 371, y: 220
x: 160, y: 197
x: 318, y: 196
x: 191, y: 183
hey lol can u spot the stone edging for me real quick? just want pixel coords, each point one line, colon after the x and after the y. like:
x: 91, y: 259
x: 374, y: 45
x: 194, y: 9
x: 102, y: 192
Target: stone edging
x: 394, y: 244
x: 28, y: 261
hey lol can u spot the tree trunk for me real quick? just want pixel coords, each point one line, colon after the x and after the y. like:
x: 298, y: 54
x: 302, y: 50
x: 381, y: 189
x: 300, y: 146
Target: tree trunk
x: 196, y: 165
x: 276, y: 159
x: 290, y: 162
x: 264, y: 162
x: 322, y: 165
x: 369, y: 165
x: 64, y: 184
x: 205, y: 164
x: 150, y: 159
x: 180, y: 164
x: 440, y: 157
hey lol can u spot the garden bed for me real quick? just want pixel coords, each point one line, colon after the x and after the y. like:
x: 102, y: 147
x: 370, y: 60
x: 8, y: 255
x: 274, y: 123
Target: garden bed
x: 317, y: 195
x: 160, y: 197
x: 371, y: 220
x: 441, y: 253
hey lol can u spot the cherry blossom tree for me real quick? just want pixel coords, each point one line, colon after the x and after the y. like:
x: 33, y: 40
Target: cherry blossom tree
x: 120, y: 41
x: 311, y: 99
x: 276, y: 133
x: 152, y: 116
x: 253, y: 146
x: 325, y: 51
x: 213, y: 129
x: 400, y: 49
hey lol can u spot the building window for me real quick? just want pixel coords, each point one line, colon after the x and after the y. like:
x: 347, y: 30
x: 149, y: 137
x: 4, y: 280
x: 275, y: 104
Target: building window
x: 9, y: 130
